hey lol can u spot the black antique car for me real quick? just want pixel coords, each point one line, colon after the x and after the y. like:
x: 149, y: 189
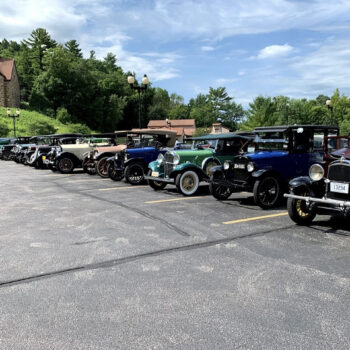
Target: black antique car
x: 321, y: 192
x: 280, y: 153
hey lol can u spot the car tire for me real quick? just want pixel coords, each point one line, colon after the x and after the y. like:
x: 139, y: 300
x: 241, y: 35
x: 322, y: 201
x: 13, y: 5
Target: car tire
x: 299, y: 213
x: 220, y: 192
x: 65, y: 165
x: 187, y: 182
x: 267, y: 192
x: 134, y: 173
x: 102, y: 167
x: 114, y: 174
x: 156, y: 185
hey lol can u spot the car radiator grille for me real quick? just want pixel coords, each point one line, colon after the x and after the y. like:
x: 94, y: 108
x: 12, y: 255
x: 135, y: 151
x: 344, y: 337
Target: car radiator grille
x: 339, y: 172
x: 241, y: 174
x: 168, y: 164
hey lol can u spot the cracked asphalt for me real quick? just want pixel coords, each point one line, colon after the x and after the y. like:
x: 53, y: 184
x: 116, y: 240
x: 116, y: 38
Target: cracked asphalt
x: 88, y: 263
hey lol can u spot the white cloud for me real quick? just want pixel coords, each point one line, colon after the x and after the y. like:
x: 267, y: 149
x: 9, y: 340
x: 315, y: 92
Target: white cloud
x: 207, y: 48
x: 224, y: 81
x: 274, y: 51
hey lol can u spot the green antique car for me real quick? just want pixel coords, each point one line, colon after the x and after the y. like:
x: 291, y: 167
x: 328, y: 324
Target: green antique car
x: 187, y: 168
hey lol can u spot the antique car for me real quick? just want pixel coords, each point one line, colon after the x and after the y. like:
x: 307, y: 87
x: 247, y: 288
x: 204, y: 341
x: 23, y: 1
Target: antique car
x: 66, y: 157
x: 280, y: 153
x: 187, y: 168
x: 95, y: 161
x: 6, y: 150
x: 321, y: 192
x: 45, y: 143
x: 3, y: 141
x: 132, y: 163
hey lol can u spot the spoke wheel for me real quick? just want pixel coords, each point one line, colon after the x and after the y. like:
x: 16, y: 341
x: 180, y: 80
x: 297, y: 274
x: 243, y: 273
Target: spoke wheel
x: 134, y: 173
x: 156, y: 185
x: 219, y: 192
x: 187, y: 182
x: 267, y: 192
x: 211, y: 163
x: 65, y: 165
x: 299, y: 212
x: 102, y: 167
x: 114, y: 174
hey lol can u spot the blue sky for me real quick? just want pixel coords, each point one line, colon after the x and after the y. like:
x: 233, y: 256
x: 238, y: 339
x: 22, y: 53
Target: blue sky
x: 252, y: 47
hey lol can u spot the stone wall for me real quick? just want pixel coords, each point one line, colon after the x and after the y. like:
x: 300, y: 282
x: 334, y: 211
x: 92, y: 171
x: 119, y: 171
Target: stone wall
x: 10, y: 91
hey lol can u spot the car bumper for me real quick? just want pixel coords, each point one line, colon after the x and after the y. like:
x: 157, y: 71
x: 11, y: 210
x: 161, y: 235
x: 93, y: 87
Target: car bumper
x: 329, y: 203
x: 160, y: 179
x: 48, y: 162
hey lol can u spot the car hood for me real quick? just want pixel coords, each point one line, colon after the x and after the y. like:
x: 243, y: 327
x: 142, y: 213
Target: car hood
x: 257, y: 156
x: 135, y: 151
x: 110, y: 148
x: 343, y: 152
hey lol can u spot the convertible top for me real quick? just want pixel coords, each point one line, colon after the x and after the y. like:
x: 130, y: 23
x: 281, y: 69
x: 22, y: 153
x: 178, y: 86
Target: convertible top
x: 283, y: 128
x: 226, y: 136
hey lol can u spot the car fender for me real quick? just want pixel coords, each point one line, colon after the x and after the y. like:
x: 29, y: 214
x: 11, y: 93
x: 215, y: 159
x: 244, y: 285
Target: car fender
x: 153, y: 166
x: 132, y: 160
x: 304, y: 184
x: 217, y: 169
x: 104, y: 154
x: 209, y: 159
x: 75, y: 159
x: 188, y: 166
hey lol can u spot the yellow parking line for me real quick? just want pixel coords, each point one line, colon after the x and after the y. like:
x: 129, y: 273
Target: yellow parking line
x: 171, y: 200
x: 254, y: 218
x: 119, y: 188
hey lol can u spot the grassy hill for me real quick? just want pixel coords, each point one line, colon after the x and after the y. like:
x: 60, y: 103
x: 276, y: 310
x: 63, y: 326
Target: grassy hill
x: 33, y: 123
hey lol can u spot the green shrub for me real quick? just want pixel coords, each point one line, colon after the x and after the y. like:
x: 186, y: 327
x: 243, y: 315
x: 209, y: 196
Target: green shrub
x: 63, y: 116
x: 79, y: 128
x: 40, y: 127
x: 4, y: 129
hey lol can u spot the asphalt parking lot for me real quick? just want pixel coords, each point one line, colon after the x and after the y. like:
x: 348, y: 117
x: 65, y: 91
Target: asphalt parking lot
x: 88, y: 263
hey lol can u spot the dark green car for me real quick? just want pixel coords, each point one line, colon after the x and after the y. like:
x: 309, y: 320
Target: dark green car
x: 187, y: 168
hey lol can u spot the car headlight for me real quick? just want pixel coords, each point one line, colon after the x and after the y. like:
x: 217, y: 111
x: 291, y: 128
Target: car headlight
x: 176, y: 159
x: 160, y: 159
x: 316, y: 172
x: 227, y: 165
x: 250, y: 167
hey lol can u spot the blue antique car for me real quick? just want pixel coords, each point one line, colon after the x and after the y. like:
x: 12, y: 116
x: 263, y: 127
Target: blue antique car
x: 132, y: 163
x: 280, y: 153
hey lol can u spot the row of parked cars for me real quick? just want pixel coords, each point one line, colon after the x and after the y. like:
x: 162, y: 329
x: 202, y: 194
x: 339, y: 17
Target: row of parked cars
x: 309, y: 165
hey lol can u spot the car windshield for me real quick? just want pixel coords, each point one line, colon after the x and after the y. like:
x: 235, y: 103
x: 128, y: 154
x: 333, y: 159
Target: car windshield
x: 269, y: 141
x: 202, y: 144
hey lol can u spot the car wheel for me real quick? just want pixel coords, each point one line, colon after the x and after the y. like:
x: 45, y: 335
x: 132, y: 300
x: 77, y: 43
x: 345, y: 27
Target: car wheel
x: 267, y: 192
x: 187, y: 182
x: 208, y: 165
x: 220, y: 192
x: 101, y: 167
x: 65, y: 165
x: 134, y: 173
x: 156, y: 185
x: 299, y: 212
x: 114, y: 174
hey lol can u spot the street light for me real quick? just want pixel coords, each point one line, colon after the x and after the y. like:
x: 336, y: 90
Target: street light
x: 13, y: 116
x: 329, y: 105
x: 138, y: 88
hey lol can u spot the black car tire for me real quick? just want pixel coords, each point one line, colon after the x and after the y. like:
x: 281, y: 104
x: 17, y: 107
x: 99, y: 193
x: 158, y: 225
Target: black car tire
x: 187, y: 182
x: 156, y: 185
x: 65, y: 165
x: 114, y: 174
x: 299, y: 213
x: 267, y: 192
x: 219, y: 192
x: 134, y: 173
x: 102, y: 167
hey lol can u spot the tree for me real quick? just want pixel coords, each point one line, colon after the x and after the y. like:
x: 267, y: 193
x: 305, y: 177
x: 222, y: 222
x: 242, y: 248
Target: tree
x: 110, y: 62
x: 73, y: 47
x: 39, y: 42
x: 41, y: 127
x: 160, y: 105
x: 63, y: 116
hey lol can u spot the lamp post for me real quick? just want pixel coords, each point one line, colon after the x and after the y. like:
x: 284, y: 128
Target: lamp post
x: 329, y: 105
x: 13, y: 116
x: 138, y: 88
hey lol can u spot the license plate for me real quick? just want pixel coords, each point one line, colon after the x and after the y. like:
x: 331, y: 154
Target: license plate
x: 44, y: 157
x: 239, y: 166
x: 339, y: 187
x: 155, y: 173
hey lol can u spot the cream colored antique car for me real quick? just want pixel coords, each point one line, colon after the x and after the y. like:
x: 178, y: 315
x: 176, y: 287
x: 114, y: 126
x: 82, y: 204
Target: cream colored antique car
x: 69, y: 157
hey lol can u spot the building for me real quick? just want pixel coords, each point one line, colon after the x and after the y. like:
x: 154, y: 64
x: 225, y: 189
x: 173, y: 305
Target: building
x: 9, y: 84
x: 185, y: 128
x: 217, y: 128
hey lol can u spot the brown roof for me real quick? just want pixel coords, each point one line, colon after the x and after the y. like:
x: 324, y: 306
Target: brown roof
x: 173, y: 123
x: 6, y: 67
